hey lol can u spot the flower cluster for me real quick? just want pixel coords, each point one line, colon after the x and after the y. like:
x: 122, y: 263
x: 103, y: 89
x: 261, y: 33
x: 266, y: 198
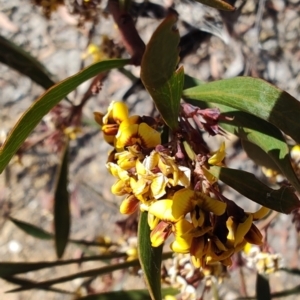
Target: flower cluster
x: 173, y: 184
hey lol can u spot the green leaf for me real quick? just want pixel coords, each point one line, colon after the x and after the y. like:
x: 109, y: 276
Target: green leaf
x: 260, y: 157
x: 263, y: 287
x: 40, y: 233
x: 218, y: 4
x: 190, y: 82
x: 83, y: 274
x: 162, y: 54
x: 62, y: 219
x: 263, y: 134
x: 171, y: 90
x: 88, y: 273
x: 8, y: 269
x: 34, y: 114
x: 32, y: 229
x: 158, y: 70
x: 25, y: 282
x: 128, y: 295
x: 15, y: 57
x: 256, y: 97
x: 150, y: 258
x: 282, y: 200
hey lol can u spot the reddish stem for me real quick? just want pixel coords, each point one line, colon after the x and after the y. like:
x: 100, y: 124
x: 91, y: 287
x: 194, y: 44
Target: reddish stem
x: 130, y: 37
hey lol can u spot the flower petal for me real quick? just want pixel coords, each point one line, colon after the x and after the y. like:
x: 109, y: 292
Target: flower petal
x: 210, y: 204
x: 254, y: 236
x: 261, y: 213
x: 218, y: 156
x: 158, y: 185
x: 182, y: 243
x: 242, y: 230
x: 149, y: 136
x: 129, y: 205
x: 162, y: 209
x: 160, y: 233
x: 182, y: 202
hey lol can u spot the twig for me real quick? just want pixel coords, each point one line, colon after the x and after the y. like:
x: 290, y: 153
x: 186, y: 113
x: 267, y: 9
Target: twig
x: 130, y: 37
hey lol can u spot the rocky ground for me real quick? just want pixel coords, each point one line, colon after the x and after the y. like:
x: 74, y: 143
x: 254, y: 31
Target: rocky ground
x: 263, y: 41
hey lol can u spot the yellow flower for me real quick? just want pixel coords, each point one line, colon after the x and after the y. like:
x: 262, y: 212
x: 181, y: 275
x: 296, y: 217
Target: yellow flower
x: 122, y: 186
x: 183, y: 238
x: 116, y: 113
x: 218, y: 156
x: 95, y: 52
x: 129, y: 205
x: 141, y: 134
x: 185, y: 201
x: 241, y: 230
x: 237, y: 230
x: 127, y: 159
x: 160, y: 233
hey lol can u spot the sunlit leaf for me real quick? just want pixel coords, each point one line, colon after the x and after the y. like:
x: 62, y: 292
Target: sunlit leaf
x: 15, y: 57
x: 263, y: 291
x: 282, y: 200
x: 167, y: 98
x: 34, y: 114
x: 62, y: 217
x: 255, y: 96
x: 150, y: 258
x: 158, y: 70
x: 162, y: 54
x: 190, y: 82
x: 128, y: 295
x: 263, y: 134
x: 218, y: 4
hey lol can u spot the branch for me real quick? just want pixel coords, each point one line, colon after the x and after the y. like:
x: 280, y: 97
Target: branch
x: 130, y: 37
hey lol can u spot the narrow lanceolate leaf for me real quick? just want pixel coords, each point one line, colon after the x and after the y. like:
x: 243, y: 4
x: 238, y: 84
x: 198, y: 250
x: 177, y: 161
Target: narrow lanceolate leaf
x: 8, y: 269
x: 158, y: 70
x: 42, y: 234
x: 83, y: 274
x: 150, y: 258
x: 218, y: 4
x: 282, y: 200
x: 262, y: 134
x: 256, y: 97
x: 32, y: 230
x: 61, y: 207
x: 263, y: 291
x: 15, y: 57
x: 34, y: 114
x: 24, y: 282
x: 128, y: 295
